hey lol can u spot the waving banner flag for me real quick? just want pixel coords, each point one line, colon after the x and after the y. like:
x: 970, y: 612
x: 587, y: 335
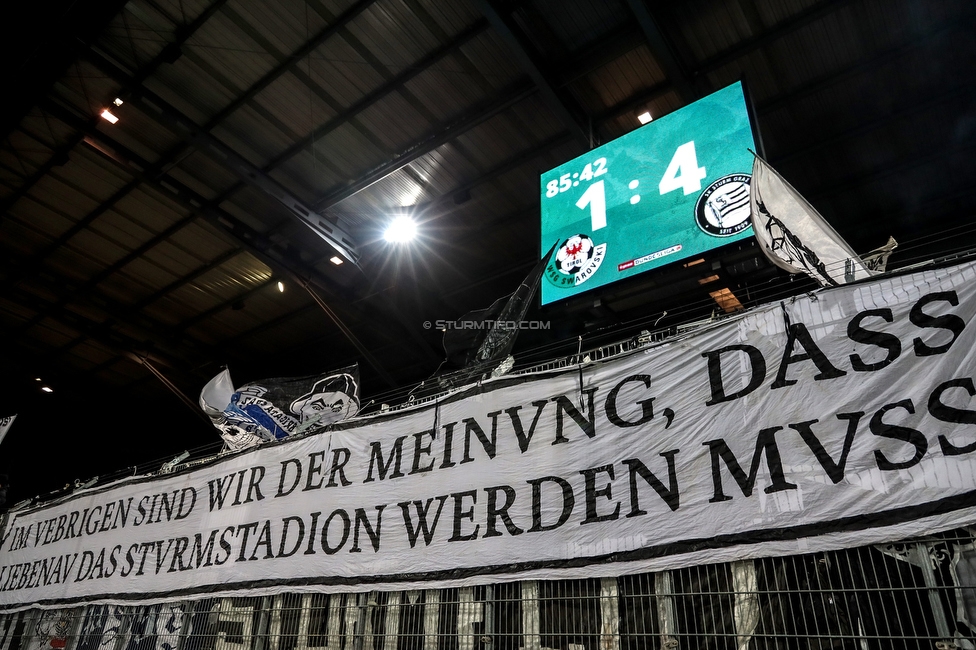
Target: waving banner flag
x: 5, y: 424
x: 480, y: 340
x: 837, y: 419
x: 877, y: 260
x: 271, y: 409
x: 794, y: 236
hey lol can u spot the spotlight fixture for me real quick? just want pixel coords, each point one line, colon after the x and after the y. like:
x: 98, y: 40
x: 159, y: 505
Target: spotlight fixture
x: 47, y: 389
x: 281, y: 286
x: 402, y: 229
x: 644, y: 117
x: 117, y: 101
x: 107, y: 114
x: 335, y: 259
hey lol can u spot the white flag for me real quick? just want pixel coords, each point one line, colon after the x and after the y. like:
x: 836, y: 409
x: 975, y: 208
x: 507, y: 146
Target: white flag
x: 877, y: 260
x: 793, y: 234
x: 5, y: 424
x: 215, y: 396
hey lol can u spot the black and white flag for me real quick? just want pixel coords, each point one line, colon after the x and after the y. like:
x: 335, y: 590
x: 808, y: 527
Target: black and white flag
x: 5, y: 424
x: 276, y: 408
x: 877, y: 260
x: 794, y: 236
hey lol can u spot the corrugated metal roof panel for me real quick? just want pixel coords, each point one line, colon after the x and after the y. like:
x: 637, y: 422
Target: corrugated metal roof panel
x: 335, y: 159
x: 239, y: 273
x: 174, y: 259
x: 203, y: 241
x: 448, y: 86
x: 23, y: 154
x: 31, y: 225
x: 202, y: 175
x: 398, y: 121
x: 773, y: 12
x: 138, y: 279
x: 149, y: 208
x: 72, y: 262
x: 286, y: 24
x: 451, y: 17
x: 116, y: 226
x: 89, y: 354
x: 229, y: 44
x: 617, y: 81
x: 493, y: 59
x: 710, y: 27
x: 627, y: 122
x: 394, y: 36
x: 63, y: 191
x: 296, y: 105
x: 195, y: 85
x: 139, y: 32
x: 53, y: 333
x: 258, y: 309
x: 574, y: 23
x: 342, y: 71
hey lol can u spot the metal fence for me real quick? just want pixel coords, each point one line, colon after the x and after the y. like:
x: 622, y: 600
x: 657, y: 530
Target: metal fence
x: 916, y: 594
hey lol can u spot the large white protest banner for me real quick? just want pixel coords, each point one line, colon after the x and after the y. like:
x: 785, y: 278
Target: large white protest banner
x: 839, y: 418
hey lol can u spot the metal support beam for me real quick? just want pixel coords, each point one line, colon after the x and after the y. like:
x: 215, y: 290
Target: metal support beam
x: 156, y: 107
x: 259, y: 244
x: 734, y: 53
x: 113, y: 339
x: 371, y: 98
x: 527, y: 61
x: 506, y: 98
x: 306, y: 49
x: 60, y: 153
x: 663, y: 54
x: 788, y: 26
x: 59, y: 156
x: 504, y: 167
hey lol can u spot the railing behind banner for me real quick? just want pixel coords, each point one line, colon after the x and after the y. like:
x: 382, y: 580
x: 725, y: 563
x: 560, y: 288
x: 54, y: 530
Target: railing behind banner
x: 917, y: 594
x: 601, y: 353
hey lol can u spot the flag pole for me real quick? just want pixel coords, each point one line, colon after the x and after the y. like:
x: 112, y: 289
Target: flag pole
x: 170, y: 385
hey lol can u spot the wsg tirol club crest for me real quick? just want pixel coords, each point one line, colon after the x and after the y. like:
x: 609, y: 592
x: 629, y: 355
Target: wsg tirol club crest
x: 723, y: 208
x: 575, y: 261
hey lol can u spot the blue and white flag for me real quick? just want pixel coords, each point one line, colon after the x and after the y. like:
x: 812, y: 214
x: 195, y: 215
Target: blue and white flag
x: 5, y: 424
x: 271, y: 409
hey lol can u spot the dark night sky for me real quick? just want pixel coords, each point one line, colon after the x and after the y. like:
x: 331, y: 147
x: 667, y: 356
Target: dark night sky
x: 88, y: 434
x: 84, y: 433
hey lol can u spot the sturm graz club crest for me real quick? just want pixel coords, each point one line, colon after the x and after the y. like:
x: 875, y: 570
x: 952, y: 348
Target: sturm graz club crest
x: 575, y: 261
x: 723, y: 209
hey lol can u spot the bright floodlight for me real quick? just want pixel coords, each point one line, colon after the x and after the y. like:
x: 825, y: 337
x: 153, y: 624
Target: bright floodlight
x: 644, y: 117
x: 107, y: 114
x: 401, y: 229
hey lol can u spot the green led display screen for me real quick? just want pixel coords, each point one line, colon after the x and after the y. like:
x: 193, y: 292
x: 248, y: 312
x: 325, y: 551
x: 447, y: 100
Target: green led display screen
x: 674, y: 188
